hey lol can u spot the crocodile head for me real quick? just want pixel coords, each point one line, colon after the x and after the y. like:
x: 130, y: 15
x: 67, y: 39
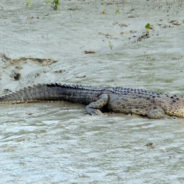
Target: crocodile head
x: 175, y: 106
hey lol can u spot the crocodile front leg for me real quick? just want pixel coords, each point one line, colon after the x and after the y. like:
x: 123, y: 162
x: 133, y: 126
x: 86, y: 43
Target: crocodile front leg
x: 94, y: 107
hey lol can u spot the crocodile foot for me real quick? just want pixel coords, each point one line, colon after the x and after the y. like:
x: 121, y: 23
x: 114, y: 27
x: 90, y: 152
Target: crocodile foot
x: 156, y: 113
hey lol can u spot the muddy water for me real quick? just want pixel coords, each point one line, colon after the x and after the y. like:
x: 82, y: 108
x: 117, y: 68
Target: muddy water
x: 58, y: 142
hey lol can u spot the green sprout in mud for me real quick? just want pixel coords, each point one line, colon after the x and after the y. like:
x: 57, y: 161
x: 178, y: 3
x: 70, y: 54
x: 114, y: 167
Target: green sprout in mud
x: 55, y: 4
x: 117, y: 11
x: 147, y: 27
x: 28, y: 3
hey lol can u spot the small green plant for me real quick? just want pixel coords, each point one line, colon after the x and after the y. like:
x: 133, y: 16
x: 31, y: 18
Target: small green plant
x: 147, y: 27
x: 28, y: 3
x: 117, y: 11
x: 55, y: 4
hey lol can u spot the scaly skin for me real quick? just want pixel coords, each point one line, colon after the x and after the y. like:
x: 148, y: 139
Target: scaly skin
x: 115, y: 99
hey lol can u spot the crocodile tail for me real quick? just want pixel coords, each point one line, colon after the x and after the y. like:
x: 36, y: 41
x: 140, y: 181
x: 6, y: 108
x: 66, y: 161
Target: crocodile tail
x: 30, y: 94
x: 51, y: 92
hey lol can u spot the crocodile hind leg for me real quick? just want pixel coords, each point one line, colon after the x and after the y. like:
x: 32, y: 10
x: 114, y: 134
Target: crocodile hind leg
x: 94, y: 107
x: 156, y: 113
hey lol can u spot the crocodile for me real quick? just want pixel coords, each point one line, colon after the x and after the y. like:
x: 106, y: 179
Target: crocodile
x: 100, y: 99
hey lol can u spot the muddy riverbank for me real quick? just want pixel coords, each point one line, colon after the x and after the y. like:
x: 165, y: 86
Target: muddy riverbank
x: 93, y: 43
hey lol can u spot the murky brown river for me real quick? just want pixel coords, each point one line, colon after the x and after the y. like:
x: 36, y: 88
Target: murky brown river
x: 58, y: 142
